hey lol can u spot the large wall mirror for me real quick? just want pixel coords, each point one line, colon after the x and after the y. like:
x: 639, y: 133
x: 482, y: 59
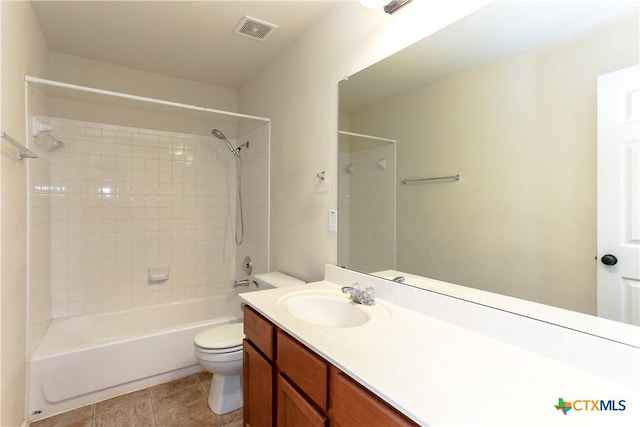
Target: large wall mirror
x: 470, y: 157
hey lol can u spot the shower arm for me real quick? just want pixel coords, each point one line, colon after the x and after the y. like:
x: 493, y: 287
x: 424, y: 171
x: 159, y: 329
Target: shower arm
x: 235, y: 151
x: 245, y: 145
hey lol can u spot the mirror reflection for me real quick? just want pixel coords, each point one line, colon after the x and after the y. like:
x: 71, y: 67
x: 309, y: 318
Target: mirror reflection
x: 508, y: 99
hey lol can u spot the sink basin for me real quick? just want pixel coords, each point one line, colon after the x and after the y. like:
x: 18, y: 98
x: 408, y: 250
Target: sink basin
x: 328, y: 309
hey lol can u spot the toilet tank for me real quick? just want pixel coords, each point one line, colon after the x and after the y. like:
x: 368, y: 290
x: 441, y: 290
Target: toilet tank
x: 275, y: 279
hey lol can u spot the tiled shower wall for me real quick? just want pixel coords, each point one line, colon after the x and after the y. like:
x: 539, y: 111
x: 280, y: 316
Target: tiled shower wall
x: 255, y: 201
x: 39, y: 258
x: 367, y: 200
x: 124, y: 200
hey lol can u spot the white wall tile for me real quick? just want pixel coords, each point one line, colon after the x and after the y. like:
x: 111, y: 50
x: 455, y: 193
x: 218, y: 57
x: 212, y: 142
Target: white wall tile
x: 126, y: 199
x: 114, y: 201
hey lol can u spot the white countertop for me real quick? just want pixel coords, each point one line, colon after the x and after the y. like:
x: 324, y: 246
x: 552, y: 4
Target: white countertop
x: 440, y: 374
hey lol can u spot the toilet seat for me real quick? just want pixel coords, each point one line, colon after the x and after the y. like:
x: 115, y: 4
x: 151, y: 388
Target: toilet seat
x: 221, y: 339
x: 219, y: 350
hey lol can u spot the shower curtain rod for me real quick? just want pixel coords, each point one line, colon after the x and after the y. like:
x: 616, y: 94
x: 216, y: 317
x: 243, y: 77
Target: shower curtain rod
x: 37, y: 80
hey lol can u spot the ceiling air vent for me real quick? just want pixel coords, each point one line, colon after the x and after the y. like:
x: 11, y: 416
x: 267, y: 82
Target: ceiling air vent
x: 255, y: 28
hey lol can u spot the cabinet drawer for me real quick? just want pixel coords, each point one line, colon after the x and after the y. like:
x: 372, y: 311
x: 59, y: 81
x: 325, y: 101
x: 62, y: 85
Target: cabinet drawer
x: 305, y: 369
x: 353, y: 405
x: 259, y: 331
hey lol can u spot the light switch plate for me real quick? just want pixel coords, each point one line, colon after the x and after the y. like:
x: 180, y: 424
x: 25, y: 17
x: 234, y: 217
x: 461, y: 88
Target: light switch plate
x: 333, y: 220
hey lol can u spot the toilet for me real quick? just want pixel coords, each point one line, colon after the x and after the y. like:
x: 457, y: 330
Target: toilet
x: 219, y: 351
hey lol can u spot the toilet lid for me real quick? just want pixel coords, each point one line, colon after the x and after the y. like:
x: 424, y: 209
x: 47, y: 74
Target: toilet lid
x: 223, y: 336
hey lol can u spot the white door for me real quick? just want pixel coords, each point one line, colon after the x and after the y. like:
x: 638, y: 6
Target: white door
x: 619, y: 195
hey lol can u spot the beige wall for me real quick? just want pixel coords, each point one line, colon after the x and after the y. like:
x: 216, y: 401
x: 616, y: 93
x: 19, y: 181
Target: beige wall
x: 300, y: 94
x: 23, y: 51
x: 522, y: 222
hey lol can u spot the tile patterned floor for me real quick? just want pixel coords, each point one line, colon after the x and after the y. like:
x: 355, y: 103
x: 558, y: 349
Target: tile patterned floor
x: 179, y: 403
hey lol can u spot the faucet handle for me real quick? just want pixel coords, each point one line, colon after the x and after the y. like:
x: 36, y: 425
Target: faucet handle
x: 369, y: 293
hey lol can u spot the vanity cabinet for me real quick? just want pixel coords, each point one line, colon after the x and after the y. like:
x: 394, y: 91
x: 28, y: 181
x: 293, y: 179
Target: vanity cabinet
x: 257, y: 375
x: 288, y: 385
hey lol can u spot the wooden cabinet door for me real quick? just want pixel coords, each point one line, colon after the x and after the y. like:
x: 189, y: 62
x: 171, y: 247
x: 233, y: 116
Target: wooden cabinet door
x: 352, y: 405
x: 294, y: 410
x: 257, y: 388
x: 305, y: 369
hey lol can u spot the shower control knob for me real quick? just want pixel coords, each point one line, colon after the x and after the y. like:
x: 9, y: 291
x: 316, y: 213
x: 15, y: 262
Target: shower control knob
x: 247, y: 266
x: 609, y: 259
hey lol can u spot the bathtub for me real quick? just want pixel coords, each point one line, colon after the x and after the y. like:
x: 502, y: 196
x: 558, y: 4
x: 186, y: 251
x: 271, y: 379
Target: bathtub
x: 84, y: 359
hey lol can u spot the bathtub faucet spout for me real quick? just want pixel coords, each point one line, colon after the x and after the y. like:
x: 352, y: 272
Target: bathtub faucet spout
x: 237, y: 283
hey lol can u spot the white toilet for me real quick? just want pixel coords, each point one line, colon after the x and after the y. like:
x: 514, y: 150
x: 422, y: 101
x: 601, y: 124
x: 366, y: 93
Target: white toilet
x: 219, y: 351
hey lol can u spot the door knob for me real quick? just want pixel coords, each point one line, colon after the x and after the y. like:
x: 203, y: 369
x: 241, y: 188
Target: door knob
x: 609, y: 259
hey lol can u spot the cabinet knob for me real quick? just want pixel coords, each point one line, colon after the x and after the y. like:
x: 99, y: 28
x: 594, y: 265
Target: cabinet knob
x: 609, y: 259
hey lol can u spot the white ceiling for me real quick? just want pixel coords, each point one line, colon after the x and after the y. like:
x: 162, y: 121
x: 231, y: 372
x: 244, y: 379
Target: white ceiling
x: 192, y: 40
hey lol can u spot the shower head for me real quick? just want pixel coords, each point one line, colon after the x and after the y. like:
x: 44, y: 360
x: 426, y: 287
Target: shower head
x: 220, y: 136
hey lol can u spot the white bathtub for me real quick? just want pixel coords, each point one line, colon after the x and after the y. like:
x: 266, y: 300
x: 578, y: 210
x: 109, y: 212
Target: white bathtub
x: 84, y: 359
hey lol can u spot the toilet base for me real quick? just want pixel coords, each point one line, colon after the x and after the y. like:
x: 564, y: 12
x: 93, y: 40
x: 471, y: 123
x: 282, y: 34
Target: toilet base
x: 225, y: 394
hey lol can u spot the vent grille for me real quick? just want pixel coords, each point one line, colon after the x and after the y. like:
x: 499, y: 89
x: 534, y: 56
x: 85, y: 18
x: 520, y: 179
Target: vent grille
x: 255, y: 28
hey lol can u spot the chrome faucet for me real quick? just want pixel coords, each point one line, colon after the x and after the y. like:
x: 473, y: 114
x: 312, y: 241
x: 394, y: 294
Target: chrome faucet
x: 357, y: 295
x: 398, y: 279
x: 237, y: 283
